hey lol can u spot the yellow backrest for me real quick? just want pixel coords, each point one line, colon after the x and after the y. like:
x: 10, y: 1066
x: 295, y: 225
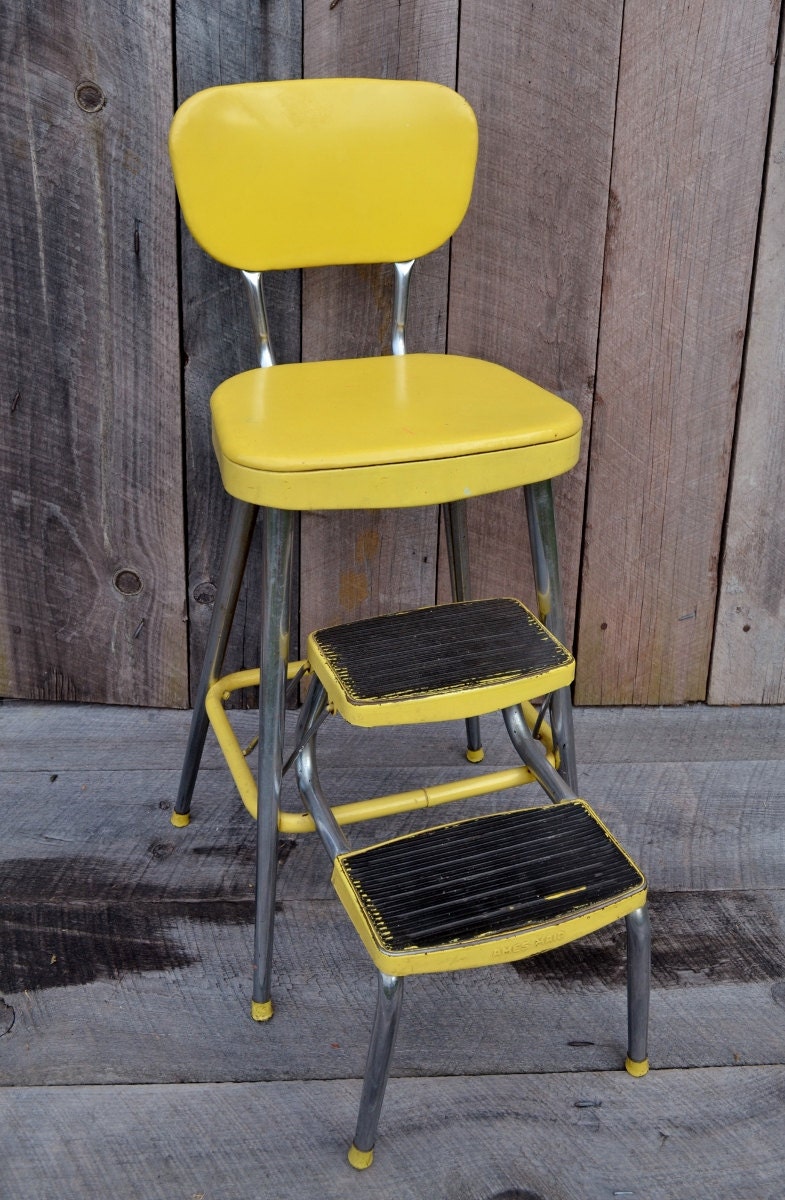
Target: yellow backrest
x: 313, y: 172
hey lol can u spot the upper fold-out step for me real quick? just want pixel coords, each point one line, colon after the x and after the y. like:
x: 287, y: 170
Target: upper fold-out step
x: 439, y: 663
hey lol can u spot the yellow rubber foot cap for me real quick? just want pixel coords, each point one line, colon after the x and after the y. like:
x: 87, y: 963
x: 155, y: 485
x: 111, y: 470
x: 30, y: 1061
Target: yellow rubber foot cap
x: 261, y: 1010
x: 360, y: 1159
x: 638, y: 1069
x: 475, y: 756
x: 180, y: 820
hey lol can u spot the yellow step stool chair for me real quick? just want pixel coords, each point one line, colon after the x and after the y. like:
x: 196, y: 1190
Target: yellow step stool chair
x: 311, y: 173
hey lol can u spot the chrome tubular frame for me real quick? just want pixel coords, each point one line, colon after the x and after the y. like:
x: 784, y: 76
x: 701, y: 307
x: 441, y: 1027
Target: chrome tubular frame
x: 390, y: 988
x: 377, y: 1070
x: 532, y: 753
x: 279, y: 528
x: 638, y: 983
x: 403, y: 278
x: 274, y: 654
x: 235, y: 556
x: 307, y: 777
x: 545, y: 560
x: 455, y: 513
x: 264, y: 346
x: 456, y: 529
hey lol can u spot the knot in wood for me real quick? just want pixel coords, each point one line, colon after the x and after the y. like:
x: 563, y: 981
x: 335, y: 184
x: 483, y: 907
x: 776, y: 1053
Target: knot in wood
x: 127, y: 582
x: 89, y: 96
x: 204, y: 593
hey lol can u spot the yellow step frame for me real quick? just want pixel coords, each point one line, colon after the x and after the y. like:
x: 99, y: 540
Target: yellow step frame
x: 457, y: 703
x: 360, y: 810
x: 484, y: 951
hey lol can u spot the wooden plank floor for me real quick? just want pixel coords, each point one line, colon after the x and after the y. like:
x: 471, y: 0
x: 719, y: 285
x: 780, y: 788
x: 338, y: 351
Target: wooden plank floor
x: 130, y: 1066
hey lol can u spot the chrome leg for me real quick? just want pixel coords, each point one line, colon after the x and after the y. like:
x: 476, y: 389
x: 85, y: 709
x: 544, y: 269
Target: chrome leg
x: 532, y: 753
x: 638, y: 988
x: 274, y: 654
x: 235, y: 556
x: 542, y: 535
x: 377, y: 1069
x: 456, y: 529
x: 333, y: 837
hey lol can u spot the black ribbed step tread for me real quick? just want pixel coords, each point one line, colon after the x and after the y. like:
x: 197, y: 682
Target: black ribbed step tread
x: 489, y: 876
x: 443, y: 648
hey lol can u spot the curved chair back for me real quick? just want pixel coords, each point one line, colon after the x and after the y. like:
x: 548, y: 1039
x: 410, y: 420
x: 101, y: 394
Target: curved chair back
x: 317, y: 172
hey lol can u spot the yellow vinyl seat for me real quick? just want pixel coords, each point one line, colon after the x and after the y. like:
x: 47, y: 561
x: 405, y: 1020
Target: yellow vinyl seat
x: 314, y: 173
x: 385, y: 432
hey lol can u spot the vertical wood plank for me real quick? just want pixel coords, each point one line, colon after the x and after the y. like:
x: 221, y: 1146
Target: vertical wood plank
x: 527, y: 262
x: 232, y: 41
x: 91, y: 541
x: 357, y: 564
x: 748, y: 661
x: 694, y: 91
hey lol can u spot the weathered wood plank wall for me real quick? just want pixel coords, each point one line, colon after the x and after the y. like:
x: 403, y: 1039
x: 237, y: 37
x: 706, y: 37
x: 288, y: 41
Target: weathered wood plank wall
x: 529, y: 254
x: 612, y: 234
x: 748, y: 664
x: 228, y: 42
x: 685, y: 190
x: 91, y: 540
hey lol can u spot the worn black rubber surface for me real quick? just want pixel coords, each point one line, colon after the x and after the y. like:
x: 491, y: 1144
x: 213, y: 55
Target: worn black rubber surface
x: 446, y: 647
x: 489, y: 875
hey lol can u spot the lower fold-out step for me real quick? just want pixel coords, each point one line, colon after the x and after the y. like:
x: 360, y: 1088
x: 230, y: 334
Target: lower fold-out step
x: 438, y: 663
x: 488, y: 889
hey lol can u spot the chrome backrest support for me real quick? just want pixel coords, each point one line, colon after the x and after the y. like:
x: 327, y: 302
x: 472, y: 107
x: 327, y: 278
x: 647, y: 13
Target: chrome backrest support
x: 403, y: 276
x: 261, y: 324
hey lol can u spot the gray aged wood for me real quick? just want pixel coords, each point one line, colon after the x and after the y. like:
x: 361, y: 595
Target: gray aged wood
x: 749, y: 639
x: 685, y: 1135
x: 35, y: 737
x: 688, y: 160
x: 97, y: 985
x: 126, y: 967
x: 231, y: 42
x: 91, y: 540
x: 121, y: 930
x: 527, y: 262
